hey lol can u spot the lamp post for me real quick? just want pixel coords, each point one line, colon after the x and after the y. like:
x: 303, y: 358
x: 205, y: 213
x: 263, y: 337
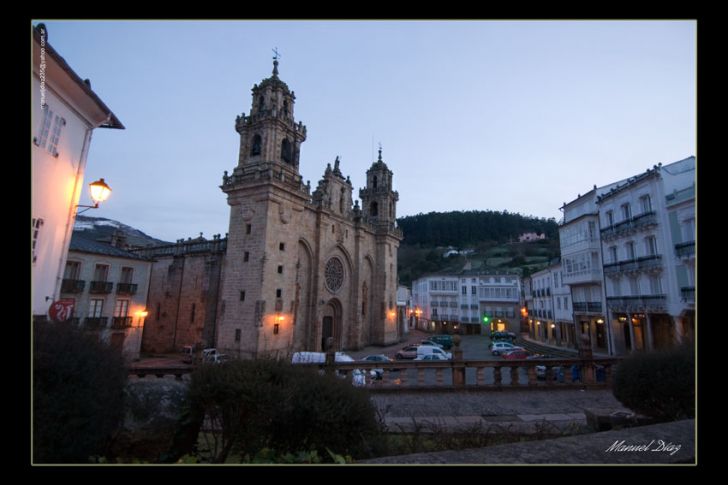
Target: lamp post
x: 100, y: 191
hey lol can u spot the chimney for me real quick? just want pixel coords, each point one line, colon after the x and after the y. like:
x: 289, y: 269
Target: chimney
x: 118, y: 239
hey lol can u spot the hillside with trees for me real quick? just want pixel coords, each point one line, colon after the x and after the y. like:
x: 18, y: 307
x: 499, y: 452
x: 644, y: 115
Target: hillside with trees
x: 445, y: 242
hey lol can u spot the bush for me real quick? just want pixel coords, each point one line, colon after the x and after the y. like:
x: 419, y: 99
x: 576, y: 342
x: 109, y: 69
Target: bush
x: 659, y: 384
x: 258, y: 404
x: 78, y: 388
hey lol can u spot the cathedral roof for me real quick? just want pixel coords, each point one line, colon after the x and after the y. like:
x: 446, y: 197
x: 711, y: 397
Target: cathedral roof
x: 379, y: 164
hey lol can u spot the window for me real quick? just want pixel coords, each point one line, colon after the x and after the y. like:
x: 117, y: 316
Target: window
x: 374, y: 209
x: 646, y: 204
x: 242, y: 295
x: 285, y: 107
x: 473, y: 290
x: 237, y: 335
x: 58, y: 124
x: 255, y: 146
x: 73, y: 270
x: 282, y: 246
x: 634, y: 286
x: 655, y: 285
x: 651, y: 246
x: 246, y: 256
x: 626, y: 211
x: 333, y: 229
x: 121, y: 309
x: 566, y: 303
x: 101, y: 272
x: 374, y: 182
x: 464, y: 290
x: 688, y: 230
x: 192, y: 313
x: 279, y: 292
x: 45, y: 127
x: 35, y: 227
x: 558, y: 303
x: 126, y: 275
x: 248, y: 228
x: 286, y: 150
x: 95, y: 307
x: 610, y: 218
x: 592, y: 230
x: 613, y: 254
x: 276, y: 328
x: 630, y: 249
x: 280, y: 269
x: 342, y: 199
x: 261, y: 103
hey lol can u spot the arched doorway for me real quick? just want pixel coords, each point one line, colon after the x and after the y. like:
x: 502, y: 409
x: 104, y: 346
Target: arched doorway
x: 331, y: 325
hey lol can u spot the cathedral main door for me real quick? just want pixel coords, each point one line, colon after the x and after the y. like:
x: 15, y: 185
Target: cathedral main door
x: 327, y: 332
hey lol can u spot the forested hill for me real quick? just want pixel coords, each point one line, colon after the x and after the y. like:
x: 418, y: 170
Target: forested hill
x: 460, y: 228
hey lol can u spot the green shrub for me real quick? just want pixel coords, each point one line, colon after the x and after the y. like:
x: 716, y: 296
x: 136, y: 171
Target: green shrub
x: 265, y: 404
x: 78, y: 389
x: 659, y: 384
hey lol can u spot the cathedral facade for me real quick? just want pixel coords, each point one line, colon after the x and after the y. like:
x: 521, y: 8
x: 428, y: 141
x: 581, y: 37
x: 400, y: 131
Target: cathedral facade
x: 303, y: 270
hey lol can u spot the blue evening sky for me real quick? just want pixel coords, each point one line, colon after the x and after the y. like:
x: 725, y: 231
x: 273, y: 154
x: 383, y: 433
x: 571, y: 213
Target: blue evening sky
x: 472, y: 115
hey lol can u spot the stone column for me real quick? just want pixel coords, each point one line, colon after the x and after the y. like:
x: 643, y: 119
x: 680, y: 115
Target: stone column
x: 458, y: 370
x: 650, y: 342
x: 632, y: 343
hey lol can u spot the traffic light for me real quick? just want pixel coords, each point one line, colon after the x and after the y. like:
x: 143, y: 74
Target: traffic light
x: 486, y: 319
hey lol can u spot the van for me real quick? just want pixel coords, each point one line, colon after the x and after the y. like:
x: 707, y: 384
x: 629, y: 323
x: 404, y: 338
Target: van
x: 423, y: 350
x: 357, y: 376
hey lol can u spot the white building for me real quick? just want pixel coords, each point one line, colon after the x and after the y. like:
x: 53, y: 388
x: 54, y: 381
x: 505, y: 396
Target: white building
x: 647, y: 238
x: 581, y: 269
x: 64, y: 112
x: 459, y: 303
x: 405, y: 315
x: 109, y: 288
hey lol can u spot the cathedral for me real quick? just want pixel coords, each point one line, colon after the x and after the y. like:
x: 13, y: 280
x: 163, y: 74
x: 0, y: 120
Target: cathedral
x: 303, y: 270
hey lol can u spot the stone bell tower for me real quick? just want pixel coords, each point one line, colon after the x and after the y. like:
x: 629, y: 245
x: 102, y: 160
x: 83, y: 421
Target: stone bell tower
x: 379, y: 210
x: 266, y: 198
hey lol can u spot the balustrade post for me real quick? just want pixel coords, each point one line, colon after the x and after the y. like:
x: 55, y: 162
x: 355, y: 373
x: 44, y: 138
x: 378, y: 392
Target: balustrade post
x: 458, y: 368
x: 531, y: 373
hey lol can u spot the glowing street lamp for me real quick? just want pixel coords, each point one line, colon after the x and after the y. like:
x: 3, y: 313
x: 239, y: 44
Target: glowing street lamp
x: 100, y: 191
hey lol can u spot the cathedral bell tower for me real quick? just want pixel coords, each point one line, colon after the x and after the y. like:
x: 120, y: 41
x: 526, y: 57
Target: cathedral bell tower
x: 270, y: 135
x: 379, y: 201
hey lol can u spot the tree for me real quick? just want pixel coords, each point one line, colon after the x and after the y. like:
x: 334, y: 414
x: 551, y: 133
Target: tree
x: 78, y: 390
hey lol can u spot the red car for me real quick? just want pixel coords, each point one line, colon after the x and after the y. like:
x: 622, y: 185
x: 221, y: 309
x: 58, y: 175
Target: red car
x: 516, y: 354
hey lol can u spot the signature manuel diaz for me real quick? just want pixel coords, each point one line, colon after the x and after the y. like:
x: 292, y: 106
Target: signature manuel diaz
x: 654, y: 445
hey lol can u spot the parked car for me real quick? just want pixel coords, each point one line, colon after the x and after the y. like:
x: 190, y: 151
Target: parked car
x: 358, y: 377
x: 557, y: 373
x: 429, y: 350
x: 431, y: 357
x: 444, y: 340
x: 408, y: 352
x: 431, y: 343
x: 499, y: 347
x: 515, y: 354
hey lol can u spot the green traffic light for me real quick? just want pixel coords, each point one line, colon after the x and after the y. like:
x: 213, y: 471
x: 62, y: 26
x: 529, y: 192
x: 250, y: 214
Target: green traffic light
x: 485, y: 319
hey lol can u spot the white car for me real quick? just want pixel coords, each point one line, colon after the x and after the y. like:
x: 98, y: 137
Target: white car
x: 432, y: 357
x: 499, y: 347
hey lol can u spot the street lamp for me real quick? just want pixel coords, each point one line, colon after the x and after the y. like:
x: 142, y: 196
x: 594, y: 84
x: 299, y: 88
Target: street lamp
x: 100, y: 191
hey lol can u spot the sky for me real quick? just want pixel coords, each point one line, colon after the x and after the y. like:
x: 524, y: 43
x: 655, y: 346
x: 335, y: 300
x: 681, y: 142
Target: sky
x: 471, y: 115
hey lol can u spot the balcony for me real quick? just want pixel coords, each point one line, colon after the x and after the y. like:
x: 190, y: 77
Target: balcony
x: 685, y: 250
x: 587, y: 307
x: 94, y: 323
x: 100, y: 287
x: 126, y: 288
x: 120, y: 323
x: 688, y: 293
x: 642, y: 304
x: 72, y: 286
x: 583, y: 276
x: 649, y: 263
x: 630, y: 226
